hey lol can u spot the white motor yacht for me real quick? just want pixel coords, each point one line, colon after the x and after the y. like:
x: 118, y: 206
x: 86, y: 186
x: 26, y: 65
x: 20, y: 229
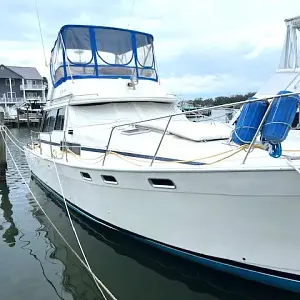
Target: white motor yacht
x: 223, y: 195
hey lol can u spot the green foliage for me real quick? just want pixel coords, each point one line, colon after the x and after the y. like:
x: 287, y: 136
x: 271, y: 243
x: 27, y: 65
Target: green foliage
x: 221, y: 100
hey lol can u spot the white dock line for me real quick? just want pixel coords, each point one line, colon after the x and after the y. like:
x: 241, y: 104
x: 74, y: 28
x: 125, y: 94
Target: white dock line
x: 98, y: 282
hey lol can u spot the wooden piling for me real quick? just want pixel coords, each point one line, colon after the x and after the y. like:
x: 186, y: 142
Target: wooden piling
x: 3, y: 163
x: 27, y: 114
x: 18, y: 118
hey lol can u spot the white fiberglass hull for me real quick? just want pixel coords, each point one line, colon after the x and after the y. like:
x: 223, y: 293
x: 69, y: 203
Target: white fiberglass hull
x: 249, y: 218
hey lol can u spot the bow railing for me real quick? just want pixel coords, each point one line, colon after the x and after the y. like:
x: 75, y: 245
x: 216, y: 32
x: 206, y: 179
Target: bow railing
x: 199, y: 110
x: 64, y: 143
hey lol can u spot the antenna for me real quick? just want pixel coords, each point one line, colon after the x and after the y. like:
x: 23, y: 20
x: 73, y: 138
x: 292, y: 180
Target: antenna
x: 131, y: 13
x: 41, y: 34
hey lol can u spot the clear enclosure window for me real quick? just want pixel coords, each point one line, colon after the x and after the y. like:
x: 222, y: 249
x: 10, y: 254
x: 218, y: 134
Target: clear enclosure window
x: 78, y: 45
x: 58, y: 60
x: 144, y: 52
x: 114, y: 46
x: 95, y: 51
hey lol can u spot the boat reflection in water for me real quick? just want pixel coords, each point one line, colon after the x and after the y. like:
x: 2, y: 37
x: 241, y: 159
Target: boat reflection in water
x: 133, y: 270
x: 10, y: 233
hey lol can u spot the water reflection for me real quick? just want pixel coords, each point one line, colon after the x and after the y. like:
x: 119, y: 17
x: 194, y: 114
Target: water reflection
x: 12, y: 231
x: 38, y: 264
x: 132, y: 270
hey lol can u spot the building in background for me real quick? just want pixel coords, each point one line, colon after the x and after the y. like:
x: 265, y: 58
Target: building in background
x: 21, y: 87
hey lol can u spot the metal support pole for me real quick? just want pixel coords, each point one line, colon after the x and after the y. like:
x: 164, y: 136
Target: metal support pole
x: 65, y: 146
x: 50, y: 137
x: 258, y: 130
x: 162, y: 137
x: 106, y: 152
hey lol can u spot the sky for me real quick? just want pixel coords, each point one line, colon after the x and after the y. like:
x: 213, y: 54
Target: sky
x: 203, y: 48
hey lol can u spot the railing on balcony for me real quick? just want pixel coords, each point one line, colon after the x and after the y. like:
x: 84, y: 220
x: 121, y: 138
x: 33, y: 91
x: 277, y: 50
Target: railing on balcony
x: 5, y: 100
x: 34, y: 98
x: 27, y: 86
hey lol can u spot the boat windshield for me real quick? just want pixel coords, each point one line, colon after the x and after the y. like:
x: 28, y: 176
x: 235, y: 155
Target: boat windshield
x: 102, y: 52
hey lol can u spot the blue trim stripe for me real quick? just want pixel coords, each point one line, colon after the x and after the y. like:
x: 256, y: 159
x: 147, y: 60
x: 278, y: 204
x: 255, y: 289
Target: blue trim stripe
x: 243, y: 270
x: 129, y: 154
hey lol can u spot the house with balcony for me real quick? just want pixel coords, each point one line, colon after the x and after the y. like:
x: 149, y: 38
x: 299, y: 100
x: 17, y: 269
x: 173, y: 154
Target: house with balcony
x: 21, y: 86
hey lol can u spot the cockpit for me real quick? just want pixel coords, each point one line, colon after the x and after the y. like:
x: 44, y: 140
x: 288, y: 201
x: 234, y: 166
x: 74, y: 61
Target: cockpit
x: 102, y: 52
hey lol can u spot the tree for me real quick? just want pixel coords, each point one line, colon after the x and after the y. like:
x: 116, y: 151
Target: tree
x: 45, y: 83
x: 221, y: 100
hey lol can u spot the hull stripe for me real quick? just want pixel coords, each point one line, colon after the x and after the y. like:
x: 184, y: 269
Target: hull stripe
x: 275, y: 278
x: 129, y: 154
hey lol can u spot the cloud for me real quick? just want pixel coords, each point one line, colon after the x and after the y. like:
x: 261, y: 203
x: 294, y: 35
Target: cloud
x: 221, y: 46
x: 205, y: 85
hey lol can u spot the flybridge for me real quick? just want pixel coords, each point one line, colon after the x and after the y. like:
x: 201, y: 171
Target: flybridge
x: 294, y: 21
x: 102, y: 52
x: 290, y: 57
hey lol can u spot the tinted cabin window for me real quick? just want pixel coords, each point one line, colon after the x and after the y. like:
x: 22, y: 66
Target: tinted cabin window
x: 59, y: 124
x: 44, y: 124
x: 49, y: 120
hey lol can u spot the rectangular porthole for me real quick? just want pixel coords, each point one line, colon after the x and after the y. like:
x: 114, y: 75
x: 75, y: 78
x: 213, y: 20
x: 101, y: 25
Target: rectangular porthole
x: 86, y: 176
x: 109, y: 179
x: 162, y: 183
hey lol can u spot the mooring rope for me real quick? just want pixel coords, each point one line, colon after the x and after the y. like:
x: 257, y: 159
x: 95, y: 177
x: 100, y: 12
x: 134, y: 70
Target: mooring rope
x: 8, y: 131
x: 19, y: 148
x: 74, y: 230
x: 86, y: 265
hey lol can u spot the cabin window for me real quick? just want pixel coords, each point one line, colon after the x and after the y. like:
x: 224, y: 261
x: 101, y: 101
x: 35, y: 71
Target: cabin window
x: 60, y: 119
x: 49, y: 120
x: 86, y: 176
x: 109, y: 179
x: 44, y: 121
x: 162, y: 183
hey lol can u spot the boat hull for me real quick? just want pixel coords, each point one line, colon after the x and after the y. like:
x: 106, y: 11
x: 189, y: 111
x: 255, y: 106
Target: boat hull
x: 240, y: 227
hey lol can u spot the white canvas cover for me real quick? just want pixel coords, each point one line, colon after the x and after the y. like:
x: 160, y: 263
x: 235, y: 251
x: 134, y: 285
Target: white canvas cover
x: 195, y: 131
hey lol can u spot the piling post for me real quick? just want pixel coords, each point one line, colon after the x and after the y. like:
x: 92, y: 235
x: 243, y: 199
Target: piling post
x: 27, y: 113
x: 3, y: 163
x: 18, y: 118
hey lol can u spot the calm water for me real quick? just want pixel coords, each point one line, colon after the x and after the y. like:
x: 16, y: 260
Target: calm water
x: 36, y: 264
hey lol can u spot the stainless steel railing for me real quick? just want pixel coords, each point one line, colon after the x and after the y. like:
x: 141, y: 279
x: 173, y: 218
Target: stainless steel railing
x: 169, y: 117
x: 198, y: 110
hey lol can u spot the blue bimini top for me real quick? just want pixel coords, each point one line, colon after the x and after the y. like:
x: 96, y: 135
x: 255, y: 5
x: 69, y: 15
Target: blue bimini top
x: 83, y: 51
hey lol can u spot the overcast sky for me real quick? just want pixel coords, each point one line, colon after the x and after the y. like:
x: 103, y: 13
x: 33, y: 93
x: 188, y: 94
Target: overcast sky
x: 203, y: 48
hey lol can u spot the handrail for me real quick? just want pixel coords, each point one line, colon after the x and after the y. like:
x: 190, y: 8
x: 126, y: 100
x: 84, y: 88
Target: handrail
x: 186, y: 112
x: 162, y: 137
x: 207, y: 108
x: 258, y: 130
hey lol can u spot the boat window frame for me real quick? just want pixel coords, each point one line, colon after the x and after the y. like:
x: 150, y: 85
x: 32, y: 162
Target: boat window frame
x: 45, y: 125
x: 56, y: 119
